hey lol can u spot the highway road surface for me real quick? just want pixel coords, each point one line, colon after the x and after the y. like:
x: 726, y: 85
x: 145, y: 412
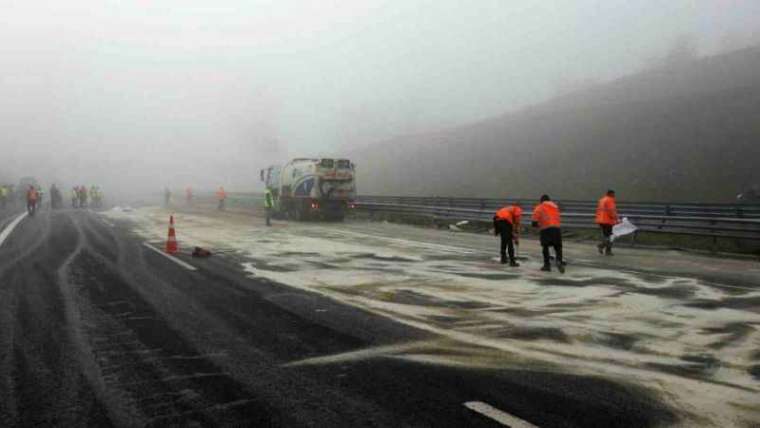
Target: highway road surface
x: 361, y: 324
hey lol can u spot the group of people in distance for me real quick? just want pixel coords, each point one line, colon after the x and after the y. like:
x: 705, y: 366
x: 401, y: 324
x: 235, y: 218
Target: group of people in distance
x: 546, y: 217
x: 80, y: 197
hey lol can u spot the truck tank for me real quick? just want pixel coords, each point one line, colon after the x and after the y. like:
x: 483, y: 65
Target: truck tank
x: 310, y: 188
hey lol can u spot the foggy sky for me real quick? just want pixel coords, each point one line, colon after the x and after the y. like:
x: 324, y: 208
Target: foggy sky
x: 142, y: 94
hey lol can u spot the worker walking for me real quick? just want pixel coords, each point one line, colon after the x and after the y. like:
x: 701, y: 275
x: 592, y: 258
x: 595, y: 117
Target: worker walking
x: 606, y: 218
x: 268, y: 205
x: 32, y: 196
x: 506, y: 223
x: 221, y: 196
x: 546, y: 217
x: 189, y: 195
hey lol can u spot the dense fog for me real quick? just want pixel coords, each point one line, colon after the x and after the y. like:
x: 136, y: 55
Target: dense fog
x: 139, y: 95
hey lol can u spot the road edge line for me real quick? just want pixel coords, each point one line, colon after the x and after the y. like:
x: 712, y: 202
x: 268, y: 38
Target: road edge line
x: 12, y: 225
x: 497, y: 415
x: 185, y: 265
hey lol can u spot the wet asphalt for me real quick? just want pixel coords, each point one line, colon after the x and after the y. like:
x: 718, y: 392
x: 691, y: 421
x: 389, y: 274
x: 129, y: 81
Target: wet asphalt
x: 98, y: 330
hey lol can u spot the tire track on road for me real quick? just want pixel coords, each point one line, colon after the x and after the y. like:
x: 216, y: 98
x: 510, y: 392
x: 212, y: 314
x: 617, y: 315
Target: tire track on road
x: 136, y: 354
x: 45, y: 384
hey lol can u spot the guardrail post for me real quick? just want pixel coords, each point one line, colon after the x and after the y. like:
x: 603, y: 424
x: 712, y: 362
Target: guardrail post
x: 739, y: 212
x: 714, y: 237
x: 667, y: 209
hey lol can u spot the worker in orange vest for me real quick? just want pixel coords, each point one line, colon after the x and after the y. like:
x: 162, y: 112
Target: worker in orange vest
x: 546, y: 217
x: 606, y: 218
x: 221, y: 195
x: 31, y: 200
x: 506, y: 223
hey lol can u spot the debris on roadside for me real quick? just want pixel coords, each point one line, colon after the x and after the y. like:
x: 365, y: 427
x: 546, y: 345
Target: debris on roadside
x: 201, y: 252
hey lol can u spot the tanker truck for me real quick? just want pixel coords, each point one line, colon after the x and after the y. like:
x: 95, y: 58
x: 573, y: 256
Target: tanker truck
x: 309, y: 188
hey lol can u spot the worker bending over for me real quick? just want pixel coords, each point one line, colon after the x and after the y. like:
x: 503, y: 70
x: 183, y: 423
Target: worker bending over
x: 546, y: 217
x: 506, y: 223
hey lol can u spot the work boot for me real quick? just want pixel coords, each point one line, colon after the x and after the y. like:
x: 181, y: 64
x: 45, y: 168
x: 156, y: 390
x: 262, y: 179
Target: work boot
x: 561, y: 266
x: 600, y: 246
x: 547, y: 267
x: 513, y: 263
x: 608, y: 250
x: 503, y: 260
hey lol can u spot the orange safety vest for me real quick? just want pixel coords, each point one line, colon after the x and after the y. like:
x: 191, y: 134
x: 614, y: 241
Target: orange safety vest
x: 510, y: 214
x: 547, y: 215
x: 606, y: 211
x: 221, y: 194
x: 32, y: 194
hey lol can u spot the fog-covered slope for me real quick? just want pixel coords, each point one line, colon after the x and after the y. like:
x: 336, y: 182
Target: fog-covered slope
x: 682, y: 132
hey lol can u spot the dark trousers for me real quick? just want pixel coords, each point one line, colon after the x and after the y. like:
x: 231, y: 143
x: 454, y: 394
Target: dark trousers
x: 504, y: 229
x: 269, y: 216
x: 551, y: 237
x: 31, y: 207
x: 221, y: 205
x: 606, y: 237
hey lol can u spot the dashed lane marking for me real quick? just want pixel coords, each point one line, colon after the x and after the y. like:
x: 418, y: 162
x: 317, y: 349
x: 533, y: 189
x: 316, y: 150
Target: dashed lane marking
x: 187, y: 266
x: 499, y: 416
x: 7, y: 232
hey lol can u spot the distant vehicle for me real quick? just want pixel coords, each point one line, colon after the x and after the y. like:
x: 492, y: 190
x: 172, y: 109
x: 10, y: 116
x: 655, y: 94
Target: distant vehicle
x: 23, y: 186
x: 307, y: 188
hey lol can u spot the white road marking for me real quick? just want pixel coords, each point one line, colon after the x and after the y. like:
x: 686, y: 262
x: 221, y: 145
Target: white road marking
x: 170, y: 257
x: 499, y: 416
x: 8, y: 229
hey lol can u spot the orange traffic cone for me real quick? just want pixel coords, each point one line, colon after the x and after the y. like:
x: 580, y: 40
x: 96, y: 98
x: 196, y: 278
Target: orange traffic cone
x: 171, y: 241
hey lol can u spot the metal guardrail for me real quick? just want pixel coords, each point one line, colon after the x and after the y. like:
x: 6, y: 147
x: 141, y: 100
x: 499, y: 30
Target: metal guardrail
x: 629, y: 208
x: 737, y: 221
x: 708, y: 226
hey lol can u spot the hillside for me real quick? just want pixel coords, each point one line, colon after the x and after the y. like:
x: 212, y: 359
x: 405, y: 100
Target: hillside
x: 686, y: 132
